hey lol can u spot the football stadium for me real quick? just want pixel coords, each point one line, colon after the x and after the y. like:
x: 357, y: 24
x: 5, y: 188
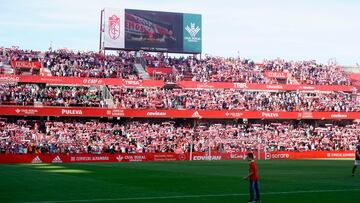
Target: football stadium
x: 126, y: 101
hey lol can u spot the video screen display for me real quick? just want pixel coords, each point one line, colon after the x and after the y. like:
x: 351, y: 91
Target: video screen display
x: 153, y: 31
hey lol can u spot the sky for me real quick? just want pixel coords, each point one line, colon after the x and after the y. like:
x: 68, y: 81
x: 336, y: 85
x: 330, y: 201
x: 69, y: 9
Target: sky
x: 253, y: 29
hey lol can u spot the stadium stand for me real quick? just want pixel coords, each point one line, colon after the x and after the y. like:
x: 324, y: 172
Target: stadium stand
x: 217, y: 69
x: 90, y: 64
x: 95, y: 136
x: 211, y: 69
x: 22, y: 135
x: 33, y: 94
x: 233, y: 99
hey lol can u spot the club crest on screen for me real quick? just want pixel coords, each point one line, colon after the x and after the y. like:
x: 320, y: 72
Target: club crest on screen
x: 114, y: 27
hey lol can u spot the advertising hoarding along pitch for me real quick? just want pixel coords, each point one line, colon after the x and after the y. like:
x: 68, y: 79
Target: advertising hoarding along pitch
x: 167, y: 156
x: 131, y: 29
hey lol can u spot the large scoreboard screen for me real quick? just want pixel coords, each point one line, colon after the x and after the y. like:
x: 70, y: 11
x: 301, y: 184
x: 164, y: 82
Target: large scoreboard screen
x: 130, y: 29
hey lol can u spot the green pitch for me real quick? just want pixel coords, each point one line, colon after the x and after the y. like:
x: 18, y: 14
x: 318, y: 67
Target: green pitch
x: 203, y: 182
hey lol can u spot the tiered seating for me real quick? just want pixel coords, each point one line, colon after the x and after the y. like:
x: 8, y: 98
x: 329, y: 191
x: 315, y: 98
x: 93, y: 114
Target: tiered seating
x: 25, y: 136
x: 95, y: 136
x: 217, y: 69
x: 90, y: 64
x: 210, y: 69
x: 29, y: 94
x: 233, y: 99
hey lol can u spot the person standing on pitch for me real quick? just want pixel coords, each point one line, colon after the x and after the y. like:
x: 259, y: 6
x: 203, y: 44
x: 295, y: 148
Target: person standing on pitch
x: 253, y: 178
x: 357, y: 158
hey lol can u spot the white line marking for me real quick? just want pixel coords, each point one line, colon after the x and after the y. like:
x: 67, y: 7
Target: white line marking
x: 193, y: 196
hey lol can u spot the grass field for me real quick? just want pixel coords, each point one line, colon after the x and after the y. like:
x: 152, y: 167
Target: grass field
x: 203, y: 181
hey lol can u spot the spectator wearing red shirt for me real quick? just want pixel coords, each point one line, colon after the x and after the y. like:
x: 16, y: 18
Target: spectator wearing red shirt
x: 253, y: 178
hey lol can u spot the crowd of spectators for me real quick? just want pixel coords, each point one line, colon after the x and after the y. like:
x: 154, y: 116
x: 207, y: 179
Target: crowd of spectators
x: 92, y: 136
x: 90, y: 64
x: 13, y: 54
x: 284, y: 136
x: 310, y: 72
x: 63, y: 62
x: 67, y: 63
x: 32, y: 94
x: 161, y: 98
x: 8, y: 54
x: 233, y: 99
x: 218, y: 69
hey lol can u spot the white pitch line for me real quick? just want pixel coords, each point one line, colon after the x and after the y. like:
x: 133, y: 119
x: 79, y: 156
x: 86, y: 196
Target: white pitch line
x: 193, y: 196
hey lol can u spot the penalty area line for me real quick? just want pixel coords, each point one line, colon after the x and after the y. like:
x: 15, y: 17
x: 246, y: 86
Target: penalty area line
x: 192, y: 196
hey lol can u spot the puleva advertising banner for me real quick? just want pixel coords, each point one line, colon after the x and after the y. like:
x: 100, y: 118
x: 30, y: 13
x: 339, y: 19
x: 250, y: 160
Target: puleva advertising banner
x: 157, y: 31
x: 9, y: 110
